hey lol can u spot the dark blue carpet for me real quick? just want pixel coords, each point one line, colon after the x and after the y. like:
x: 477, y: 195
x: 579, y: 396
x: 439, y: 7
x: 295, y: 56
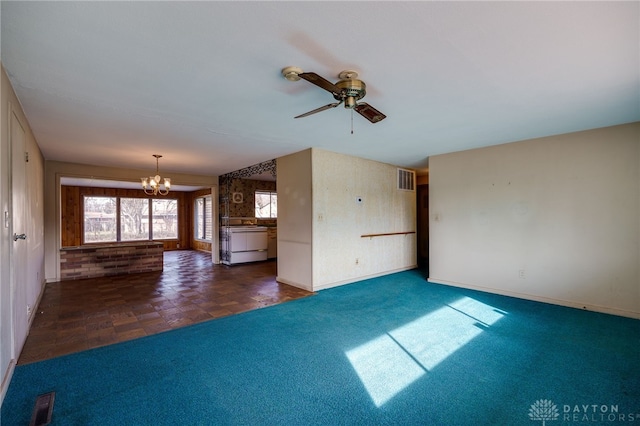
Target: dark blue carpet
x: 391, y: 350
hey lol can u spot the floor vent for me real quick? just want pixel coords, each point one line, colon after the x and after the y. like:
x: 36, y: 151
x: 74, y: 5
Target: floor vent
x: 406, y: 179
x: 42, y: 410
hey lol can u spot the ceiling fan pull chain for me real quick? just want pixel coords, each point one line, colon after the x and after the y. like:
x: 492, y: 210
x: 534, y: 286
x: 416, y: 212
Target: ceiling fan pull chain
x: 352, y: 121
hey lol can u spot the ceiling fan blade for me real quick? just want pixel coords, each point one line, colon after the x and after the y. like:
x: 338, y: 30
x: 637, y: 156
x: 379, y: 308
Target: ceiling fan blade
x: 369, y: 112
x: 321, y: 82
x: 322, y: 108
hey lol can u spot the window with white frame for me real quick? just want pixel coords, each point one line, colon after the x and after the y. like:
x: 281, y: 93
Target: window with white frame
x: 203, y: 218
x: 266, y: 203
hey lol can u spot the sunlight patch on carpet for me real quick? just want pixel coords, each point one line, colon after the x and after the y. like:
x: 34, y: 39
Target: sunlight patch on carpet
x: 384, y: 368
x: 389, y: 363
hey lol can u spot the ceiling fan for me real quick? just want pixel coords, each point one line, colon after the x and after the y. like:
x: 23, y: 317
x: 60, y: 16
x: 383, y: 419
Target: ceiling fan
x: 349, y: 90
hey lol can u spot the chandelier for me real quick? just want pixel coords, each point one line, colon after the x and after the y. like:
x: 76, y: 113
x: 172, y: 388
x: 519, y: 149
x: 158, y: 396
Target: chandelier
x: 151, y: 185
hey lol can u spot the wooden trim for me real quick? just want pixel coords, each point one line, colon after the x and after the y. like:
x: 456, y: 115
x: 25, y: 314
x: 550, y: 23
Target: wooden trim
x: 387, y: 234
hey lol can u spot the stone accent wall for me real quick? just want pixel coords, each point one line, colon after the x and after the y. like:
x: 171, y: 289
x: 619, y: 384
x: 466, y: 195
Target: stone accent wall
x: 108, y: 260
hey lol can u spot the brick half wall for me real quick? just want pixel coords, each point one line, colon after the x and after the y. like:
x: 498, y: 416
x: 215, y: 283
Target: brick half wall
x: 108, y: 260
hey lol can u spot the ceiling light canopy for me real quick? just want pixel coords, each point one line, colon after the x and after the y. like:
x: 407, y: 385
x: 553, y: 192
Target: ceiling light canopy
x: 152, y: 186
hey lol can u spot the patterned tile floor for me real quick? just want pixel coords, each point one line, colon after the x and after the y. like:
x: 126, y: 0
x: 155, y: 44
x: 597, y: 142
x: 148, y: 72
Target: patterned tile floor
x: 78, y: 315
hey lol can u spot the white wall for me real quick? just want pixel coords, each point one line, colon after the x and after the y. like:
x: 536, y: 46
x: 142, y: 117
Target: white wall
x: 320, y: 223
x: 30, y: 290
x: 55, y: 170
x: 554, y: 219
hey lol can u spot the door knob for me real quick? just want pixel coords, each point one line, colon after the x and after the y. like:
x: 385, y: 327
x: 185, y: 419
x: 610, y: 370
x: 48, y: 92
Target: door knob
x: 17, y: 237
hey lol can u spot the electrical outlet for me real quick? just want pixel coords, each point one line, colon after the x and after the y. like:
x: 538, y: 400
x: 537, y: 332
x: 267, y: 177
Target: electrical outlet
x: 357, y: 261
x: 28, y: 310
x: 521, y: 274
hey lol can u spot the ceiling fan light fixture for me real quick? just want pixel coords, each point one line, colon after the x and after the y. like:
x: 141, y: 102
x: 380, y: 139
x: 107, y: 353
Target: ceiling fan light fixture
x: 352, y: 88
x: 350, y: 102
x: 348, y: 90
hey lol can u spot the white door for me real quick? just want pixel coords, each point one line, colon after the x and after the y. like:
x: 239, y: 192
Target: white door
x: 18, y: 228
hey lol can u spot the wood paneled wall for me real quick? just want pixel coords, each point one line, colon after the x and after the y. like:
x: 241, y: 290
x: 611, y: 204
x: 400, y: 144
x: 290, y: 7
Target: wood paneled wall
x: 71, y: 220
x: 72, y: 207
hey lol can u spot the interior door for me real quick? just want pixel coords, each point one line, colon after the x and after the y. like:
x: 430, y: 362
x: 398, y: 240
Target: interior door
x: 18, y: 228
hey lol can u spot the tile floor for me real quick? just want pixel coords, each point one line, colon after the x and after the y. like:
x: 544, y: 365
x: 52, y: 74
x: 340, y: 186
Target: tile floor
x: 78, y: 315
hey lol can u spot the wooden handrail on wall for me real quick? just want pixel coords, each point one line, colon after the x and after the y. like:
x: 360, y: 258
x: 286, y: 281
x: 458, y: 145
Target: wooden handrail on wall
x: 386, y: 234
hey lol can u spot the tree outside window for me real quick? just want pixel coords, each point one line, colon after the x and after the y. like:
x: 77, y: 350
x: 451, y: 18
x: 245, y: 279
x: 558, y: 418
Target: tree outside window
x: 134, y: 219
x: 100, y: 219
x: 112, y: 219
x: 266, y: 204
x: 165, y: 218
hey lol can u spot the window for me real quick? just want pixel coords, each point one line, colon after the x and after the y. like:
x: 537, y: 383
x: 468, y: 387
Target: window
x: 134, y: 219
x: 113, y: 219
x: 203, y: 220
x: 100, y: 219
x: 164, y: 217
x: 266, y: 204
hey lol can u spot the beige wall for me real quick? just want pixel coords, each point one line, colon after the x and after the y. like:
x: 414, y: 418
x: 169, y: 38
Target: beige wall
x: 321, y: 223
x: 14, y: 320
x: 295, y: 220
x: 354, y: 197
x: 554, y: 219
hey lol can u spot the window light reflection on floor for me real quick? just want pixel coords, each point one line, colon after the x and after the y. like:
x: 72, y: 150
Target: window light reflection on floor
x: 389, y: 363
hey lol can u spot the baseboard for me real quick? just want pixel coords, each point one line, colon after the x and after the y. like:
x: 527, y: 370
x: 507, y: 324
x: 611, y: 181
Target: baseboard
x: 6, y: 380
x: 293, y: 283
x: 343, y: 282
x: 361, y: 278
x: 535, y: 298
x: 36, y: 305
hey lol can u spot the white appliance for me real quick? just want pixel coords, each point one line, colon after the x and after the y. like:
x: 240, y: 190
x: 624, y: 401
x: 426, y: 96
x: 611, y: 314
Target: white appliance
x: 241, y: 244
x: 272, y: 245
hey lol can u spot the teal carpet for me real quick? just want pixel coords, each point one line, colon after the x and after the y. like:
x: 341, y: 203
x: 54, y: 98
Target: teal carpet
x: 394, y: 350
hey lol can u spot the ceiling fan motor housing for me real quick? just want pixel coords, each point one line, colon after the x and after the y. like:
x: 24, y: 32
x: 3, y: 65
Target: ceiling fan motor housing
x: 352, y: 90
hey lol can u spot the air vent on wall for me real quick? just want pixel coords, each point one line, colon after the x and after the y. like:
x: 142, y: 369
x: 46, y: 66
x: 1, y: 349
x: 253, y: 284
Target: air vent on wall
x: 406, y: 179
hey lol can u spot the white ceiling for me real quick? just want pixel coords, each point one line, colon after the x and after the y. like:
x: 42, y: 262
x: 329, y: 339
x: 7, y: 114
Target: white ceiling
x: 111, y: 83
